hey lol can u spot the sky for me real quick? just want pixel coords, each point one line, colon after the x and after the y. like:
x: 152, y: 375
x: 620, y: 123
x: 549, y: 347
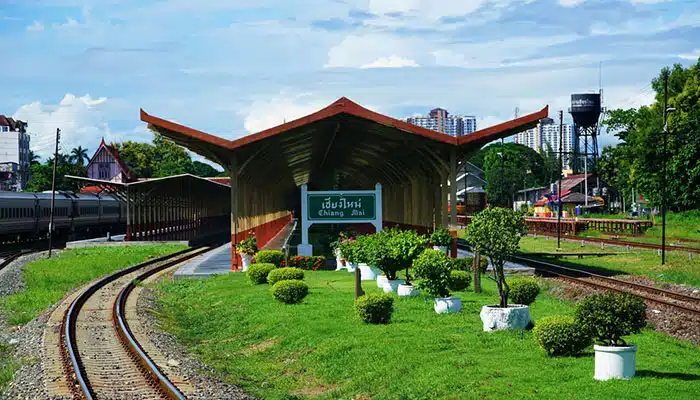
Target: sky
x: 234, y: 67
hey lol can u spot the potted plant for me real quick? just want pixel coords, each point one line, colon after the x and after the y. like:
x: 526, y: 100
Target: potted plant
x: 337, y: 246
x: 433, y: 268
x: 348, y: 250
x: 441, y: 239
x: 496, y: 232
x: 607, y: 318
x: 363, y: 256
x: 406, y: 246
x: 247, y: 248
x: 380, y: 255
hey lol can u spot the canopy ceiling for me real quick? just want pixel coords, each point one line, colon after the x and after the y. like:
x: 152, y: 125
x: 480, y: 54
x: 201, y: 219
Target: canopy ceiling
x: 365, y: 147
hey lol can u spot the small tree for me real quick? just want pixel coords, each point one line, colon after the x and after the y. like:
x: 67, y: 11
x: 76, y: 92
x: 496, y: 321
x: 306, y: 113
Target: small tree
x: 496, y: 233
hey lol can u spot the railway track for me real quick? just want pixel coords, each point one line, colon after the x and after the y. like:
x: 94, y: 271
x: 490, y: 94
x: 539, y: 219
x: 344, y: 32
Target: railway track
x: 615, y: 242
x: 685, y: 303
x: 100, y: 356
x: 10, y: 256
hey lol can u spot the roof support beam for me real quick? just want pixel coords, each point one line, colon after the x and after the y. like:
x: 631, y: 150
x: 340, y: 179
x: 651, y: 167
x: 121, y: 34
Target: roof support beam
x: 453, y: 187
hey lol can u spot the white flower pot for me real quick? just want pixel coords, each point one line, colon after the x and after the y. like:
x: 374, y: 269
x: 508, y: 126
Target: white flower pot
x: 441, y: 248
x: 381, y: 280
x: 338, y: 261
x: 368, y: 273
x: 351, y: 266
x: 407, y: 290
x: 615, y: 362
x: 495, y: 318
x: 444, y: 305
x: 391, y: 286
x: 246, y: 259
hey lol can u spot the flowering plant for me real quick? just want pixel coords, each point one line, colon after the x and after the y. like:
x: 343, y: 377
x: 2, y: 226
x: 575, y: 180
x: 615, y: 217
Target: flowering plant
x: 346, y: 245
x: 249, y: 245
x: 309, y: 263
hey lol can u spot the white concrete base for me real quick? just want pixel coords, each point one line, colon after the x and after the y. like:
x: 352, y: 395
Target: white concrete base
x: 444, y: 305
x: 368, y: 273
x: 613, y: 362
x: 495, y: 318
x: 305, y: 250
x: 351, y: 266
x: 392, y: 286
x: 381, y: 280
x: 338, y: 261
x: 246, y: 259
x: 407, y: 291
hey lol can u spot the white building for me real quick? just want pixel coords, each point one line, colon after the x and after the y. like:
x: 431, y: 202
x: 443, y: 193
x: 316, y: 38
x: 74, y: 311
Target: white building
x: 440, y: 120
x: 547, y: 133
x: 14, y: 154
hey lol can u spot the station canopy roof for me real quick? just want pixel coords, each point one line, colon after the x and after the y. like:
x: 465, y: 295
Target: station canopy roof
x: 363, y: 146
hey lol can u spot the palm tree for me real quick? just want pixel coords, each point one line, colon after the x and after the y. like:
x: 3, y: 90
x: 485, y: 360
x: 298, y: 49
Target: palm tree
x: 34, y: 158
x: 79, y: 154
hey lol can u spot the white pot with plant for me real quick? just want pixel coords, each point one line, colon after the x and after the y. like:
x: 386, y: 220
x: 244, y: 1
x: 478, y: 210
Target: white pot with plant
x: 347, y: 247
x: 441, y: 239
x: 361, y: 256
x: 433, y: 268
x: 405, y: 247
x: 608, y: 317
x: 496, y: 232
x: 247, y: 249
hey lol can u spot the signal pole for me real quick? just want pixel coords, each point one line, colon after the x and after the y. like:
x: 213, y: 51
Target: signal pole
x: 561, y: 166
x: 663, y: 182
x: 53, y: 189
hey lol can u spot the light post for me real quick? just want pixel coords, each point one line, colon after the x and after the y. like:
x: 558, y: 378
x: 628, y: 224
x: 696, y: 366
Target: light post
x: 667, y: 110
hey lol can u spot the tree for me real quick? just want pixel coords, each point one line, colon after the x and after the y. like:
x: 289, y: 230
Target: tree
x: 34, y: 158
x: 641, y: 153
x: 521, y: 167
x: 79, y: 155
x: 550, y: 165
x: 138, y: 156
x: 204, y: 170
x: 496, y: 233
x: 42, y: 174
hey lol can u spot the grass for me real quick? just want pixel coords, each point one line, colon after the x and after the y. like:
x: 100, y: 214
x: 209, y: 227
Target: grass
x: 321, y: 349
x: 680, y: 225
x: 678, y: 269
x: 49, y: 280
x: 8, y: 364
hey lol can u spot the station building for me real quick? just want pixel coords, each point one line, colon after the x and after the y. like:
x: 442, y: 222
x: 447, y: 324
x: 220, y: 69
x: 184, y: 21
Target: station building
x: 342, y: 146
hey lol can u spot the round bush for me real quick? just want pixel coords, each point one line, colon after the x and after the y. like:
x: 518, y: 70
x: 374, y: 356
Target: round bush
x: 608, y: 317
x: 375, y: 308
x: 433, y: 268
x: 459, y: 280
x: 284, y: 274
x: 465, y: 264
x: 291, y: 291
x: 257, y: 273
x: 274, y: 257
x: 523, y: 291
x: 560, y: 335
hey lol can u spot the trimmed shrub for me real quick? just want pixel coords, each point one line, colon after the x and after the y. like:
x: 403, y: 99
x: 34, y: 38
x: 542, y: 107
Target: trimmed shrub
x: 290, y: 292
x: 274, y: 257
x: 608, y: 317
x: 284, y: 274
x: 465, y: 264
x: 560, y: 335
x: 459, y: 280
x: 441, y: 237
x: 257, y: 273
x: 523, y: 291
x: 308, y: 263
x: 375, y: 308
x: 433, y: 268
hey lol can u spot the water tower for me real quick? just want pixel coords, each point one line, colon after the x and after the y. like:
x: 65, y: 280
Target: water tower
x: 585, y: 110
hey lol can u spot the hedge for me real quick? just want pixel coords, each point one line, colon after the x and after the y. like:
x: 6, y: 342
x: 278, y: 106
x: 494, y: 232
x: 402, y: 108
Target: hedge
x: 275, y: 257
x: 290, y: 291
x: 257, y: 273
x: 375, y: 308
x: 560, y: 335
x: 284, y: 274
x: 523, y: 291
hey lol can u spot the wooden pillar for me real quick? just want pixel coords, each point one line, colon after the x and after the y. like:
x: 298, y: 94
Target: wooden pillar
x: 453, y: 186
x: 443, y: 205
x: 128, y: 215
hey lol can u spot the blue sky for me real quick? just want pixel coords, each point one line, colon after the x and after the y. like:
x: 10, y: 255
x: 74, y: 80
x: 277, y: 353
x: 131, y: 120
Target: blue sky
x: 236, y: 67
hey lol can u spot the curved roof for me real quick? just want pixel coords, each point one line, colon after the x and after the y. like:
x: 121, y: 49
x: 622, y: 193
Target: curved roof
x: 364, y: 146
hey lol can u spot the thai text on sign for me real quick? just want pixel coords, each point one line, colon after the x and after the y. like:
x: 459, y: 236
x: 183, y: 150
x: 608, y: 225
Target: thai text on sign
x: 338, y: 206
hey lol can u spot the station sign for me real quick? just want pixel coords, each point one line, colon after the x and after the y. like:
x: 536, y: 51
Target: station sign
x: 338, y: 207
x: 341, y: 206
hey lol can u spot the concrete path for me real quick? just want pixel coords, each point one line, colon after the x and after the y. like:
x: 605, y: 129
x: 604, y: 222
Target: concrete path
x: 217, y: 261
x: 509, y: 268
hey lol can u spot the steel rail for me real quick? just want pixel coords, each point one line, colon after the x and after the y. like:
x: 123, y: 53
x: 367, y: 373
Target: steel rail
x: 11, y: 256
x: 566, y: 273
x: 79, y: 381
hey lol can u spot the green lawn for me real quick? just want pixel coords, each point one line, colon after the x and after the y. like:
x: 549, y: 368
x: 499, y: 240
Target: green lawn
x: 8, y: 364
x: 48, y: 280
x: 678, y: 268
x: 321, y: 349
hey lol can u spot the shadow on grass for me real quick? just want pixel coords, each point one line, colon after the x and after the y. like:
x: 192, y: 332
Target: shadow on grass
x: 574, y: 265
x: 668, y: 375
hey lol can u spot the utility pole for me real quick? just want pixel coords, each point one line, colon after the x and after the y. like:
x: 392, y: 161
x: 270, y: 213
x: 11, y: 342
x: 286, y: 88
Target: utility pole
x: 53, y: 189
x: 663, y: 176
x: 561, y: 154
x: 503, y: 179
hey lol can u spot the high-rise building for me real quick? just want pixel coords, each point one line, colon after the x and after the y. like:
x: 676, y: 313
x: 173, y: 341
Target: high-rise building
x: 547, y: 133
x: 14, y: 154
x: 440, y: 120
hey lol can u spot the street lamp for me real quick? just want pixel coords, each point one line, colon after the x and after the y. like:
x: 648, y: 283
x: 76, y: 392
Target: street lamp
x: 667, y: 111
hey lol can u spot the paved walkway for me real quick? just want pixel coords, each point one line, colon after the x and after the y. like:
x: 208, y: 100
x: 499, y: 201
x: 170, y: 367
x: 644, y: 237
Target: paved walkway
x: 218, y: 261
x: 508, y: 268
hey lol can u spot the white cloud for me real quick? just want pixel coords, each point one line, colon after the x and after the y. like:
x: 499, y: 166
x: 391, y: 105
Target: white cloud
x: 693, y: 55
x: 428, y: 9
x: 266, y: 113
x: 448, y: 58
x: 570, y: 3
x: 80, y: 119
x: 35, y: 27
x: 390, y: 62
x: 70, y: 23
x: 360, y: 51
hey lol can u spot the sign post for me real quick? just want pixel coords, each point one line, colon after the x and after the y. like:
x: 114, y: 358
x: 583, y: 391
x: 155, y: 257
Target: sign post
x: 338, y: 207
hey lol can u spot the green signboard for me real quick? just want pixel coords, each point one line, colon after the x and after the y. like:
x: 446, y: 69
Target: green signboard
x: 341, y: 207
